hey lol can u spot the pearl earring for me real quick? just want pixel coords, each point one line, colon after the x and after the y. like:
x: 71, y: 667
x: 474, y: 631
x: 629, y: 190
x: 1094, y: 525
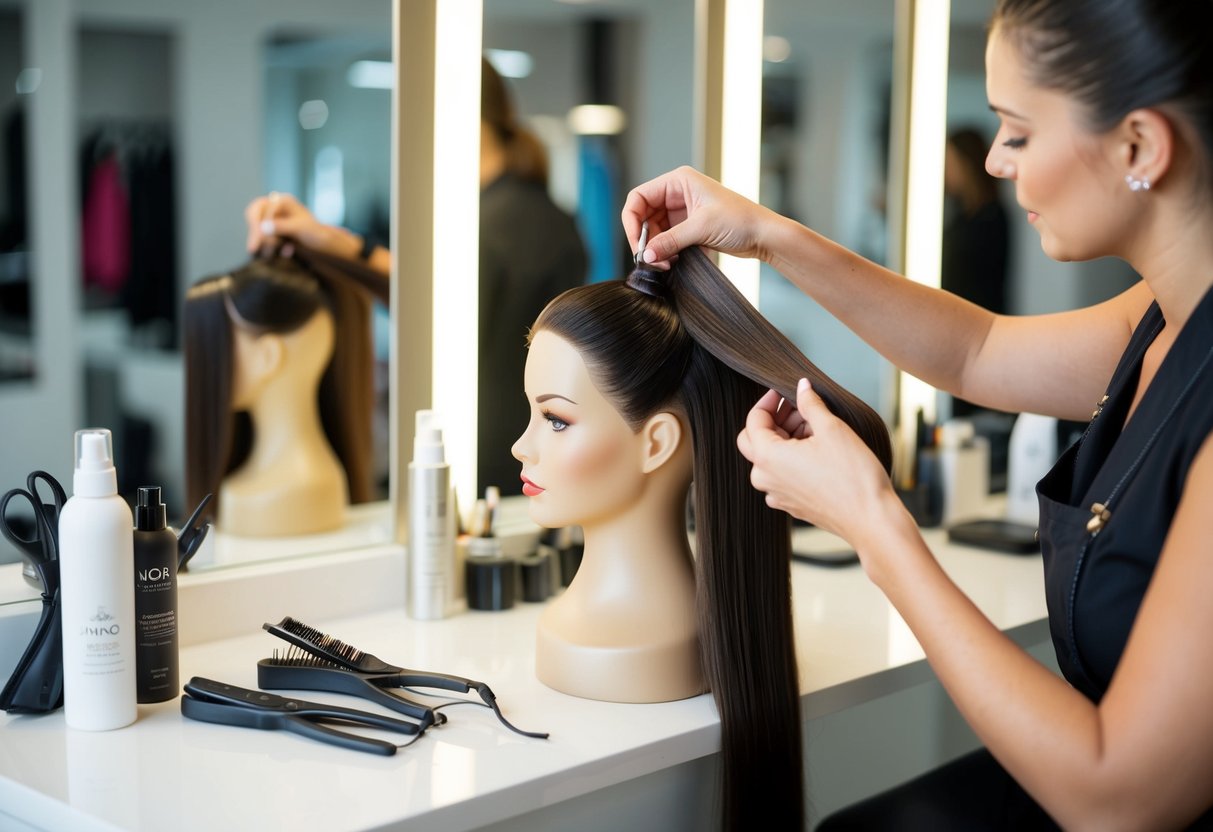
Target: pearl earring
x: 1134, y: 184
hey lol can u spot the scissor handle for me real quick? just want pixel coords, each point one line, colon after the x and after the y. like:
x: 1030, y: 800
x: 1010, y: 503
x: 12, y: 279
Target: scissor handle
x: 35, y: 548
x: 58, y: 495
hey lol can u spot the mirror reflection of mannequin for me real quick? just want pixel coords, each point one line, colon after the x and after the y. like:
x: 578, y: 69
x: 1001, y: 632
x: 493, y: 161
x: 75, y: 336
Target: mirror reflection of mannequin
x: 976, y: 234
x: 530, y: 251
x: 635, y: 388
x: 278, y: 398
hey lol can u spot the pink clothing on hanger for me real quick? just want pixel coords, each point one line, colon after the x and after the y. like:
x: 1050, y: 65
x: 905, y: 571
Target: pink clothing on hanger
x: 106, y: 228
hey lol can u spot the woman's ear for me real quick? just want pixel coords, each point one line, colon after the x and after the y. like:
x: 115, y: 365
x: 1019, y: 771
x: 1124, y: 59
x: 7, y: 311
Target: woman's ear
x: 1147, y: 144
x: 661, y: 436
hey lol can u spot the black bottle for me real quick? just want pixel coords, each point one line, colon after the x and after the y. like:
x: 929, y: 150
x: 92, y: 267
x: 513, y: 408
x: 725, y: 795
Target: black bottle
x: 156, y: 641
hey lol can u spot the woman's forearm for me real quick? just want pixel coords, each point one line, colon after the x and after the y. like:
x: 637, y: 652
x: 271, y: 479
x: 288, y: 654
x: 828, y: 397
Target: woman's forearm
x: 928, y: 333
x: 1047, y: 735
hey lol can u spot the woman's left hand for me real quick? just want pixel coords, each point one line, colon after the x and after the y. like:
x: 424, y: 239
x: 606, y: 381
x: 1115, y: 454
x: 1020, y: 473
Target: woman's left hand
x: 810, y: 464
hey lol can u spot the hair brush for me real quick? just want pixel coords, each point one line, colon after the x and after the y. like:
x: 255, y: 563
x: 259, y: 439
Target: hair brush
x: 336, y: 652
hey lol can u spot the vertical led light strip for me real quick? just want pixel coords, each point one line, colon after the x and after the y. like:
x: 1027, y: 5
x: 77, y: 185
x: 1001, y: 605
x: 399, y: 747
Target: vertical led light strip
x: 741, y: 122
x: 456, y: 233
x: 924, y: 169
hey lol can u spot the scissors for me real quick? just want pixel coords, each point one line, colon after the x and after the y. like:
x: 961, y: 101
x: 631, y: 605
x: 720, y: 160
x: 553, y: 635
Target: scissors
x: 43, y: 546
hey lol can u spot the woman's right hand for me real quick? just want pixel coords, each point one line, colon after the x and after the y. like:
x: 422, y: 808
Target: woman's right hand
x: 685, y: 208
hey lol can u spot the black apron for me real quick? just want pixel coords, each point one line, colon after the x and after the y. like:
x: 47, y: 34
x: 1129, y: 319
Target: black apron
x: 1106, y: 506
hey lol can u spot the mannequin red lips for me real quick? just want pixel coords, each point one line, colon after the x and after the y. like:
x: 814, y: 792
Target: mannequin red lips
x: 530, y: 489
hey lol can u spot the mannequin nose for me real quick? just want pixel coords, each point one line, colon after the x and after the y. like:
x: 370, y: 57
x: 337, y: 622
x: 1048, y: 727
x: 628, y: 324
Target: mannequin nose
x: 519, y: 449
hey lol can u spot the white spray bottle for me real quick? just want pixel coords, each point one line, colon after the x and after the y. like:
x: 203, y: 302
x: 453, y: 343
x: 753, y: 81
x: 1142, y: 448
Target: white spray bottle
x: 431, y: 553
x: 97, y: 589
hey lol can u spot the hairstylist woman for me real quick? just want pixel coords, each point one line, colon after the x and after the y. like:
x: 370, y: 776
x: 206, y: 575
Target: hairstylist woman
x: 1106, y: 111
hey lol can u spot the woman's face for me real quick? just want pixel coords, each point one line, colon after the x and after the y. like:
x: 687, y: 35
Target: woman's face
x: 1069, y: 180
x: 581, y: 462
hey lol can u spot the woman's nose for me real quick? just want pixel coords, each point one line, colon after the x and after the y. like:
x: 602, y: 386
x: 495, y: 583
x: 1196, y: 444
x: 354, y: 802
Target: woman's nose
x: 998, y: 166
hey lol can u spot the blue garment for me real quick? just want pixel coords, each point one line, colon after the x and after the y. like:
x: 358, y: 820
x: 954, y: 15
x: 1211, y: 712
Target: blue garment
x: 598, y: 207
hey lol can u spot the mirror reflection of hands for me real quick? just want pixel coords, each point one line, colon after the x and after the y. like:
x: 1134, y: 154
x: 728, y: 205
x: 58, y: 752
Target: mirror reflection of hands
x: 278, y: 218
x: 686, y: 208
x: 811, y: 464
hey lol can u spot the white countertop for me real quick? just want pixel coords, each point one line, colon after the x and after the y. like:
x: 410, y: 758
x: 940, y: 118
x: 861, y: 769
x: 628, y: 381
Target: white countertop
x: 167, y: 772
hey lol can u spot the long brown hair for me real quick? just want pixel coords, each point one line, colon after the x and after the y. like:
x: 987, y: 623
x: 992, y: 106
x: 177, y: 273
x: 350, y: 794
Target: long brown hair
x: 275, y: 294
x: 525, y: 155
x: 690, y: 341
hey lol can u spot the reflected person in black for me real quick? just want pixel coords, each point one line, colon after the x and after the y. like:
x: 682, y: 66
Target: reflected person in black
x: 975, y: 234
x: 530, y: 251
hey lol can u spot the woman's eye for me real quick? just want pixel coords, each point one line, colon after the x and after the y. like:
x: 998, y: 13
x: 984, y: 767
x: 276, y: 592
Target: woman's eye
x: 556, y: 422
x: 1016, y: 143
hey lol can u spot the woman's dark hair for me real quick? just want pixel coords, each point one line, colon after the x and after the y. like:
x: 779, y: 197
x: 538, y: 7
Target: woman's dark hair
x: 279, y: 295
x: 972, y: 148
x: 1115, y: 56
x: 525, y: 155
x: 690, y: 342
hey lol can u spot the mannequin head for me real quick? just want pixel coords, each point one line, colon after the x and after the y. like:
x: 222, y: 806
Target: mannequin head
x: 270, y: 333
x: 592, y: 464
x: 684, y: 356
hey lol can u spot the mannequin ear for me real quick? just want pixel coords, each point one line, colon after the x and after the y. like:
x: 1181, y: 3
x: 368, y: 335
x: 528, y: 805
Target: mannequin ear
x: 661, y: 435
x: 258, y: 356
x: 268, y: 354
x: 1147, y: 144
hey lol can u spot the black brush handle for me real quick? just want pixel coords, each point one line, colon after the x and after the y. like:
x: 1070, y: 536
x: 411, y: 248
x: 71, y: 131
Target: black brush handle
x: 424, y: 679
x: 284, y: 677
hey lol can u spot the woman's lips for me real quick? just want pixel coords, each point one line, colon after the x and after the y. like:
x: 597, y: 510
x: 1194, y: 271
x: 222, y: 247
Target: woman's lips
x: 1032, y: 215
x: 530, y: 489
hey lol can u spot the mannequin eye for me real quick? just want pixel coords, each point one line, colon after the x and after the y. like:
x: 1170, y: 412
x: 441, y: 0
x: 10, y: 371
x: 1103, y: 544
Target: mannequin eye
x: 1016, y: 143
x: 557, y: 423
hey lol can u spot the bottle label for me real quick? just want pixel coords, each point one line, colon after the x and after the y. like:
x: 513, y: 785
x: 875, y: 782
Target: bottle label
x: 102, y: 649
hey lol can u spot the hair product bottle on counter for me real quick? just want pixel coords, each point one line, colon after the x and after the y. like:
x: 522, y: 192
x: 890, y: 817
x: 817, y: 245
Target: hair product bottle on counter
x: 431, y: 555
x: 97, y: 588
x: 156, y: 640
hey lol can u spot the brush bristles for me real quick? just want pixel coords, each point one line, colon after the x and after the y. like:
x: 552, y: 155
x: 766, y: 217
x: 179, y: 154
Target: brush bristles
x: 298, y: 657
x: 322, y: 641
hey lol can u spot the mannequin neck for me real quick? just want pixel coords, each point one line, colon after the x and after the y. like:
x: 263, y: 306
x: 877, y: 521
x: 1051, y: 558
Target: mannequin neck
x: 286, y: 424
x: 650, y: 540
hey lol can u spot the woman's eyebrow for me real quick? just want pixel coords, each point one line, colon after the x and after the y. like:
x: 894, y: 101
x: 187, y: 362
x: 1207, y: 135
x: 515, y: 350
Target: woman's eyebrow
x: 1003, y: 111
x: 546, y: 396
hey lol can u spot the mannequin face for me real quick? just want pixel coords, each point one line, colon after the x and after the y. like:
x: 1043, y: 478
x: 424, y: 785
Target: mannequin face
x: 581, y: 462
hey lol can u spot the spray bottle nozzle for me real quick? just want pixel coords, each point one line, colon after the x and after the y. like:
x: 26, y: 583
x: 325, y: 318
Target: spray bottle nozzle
x: 149, y: 510
x: 94, y: 450
x: 427, y: 440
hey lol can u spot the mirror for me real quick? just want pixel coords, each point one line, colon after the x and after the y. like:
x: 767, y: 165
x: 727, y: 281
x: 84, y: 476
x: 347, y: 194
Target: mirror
x: 175, y: 116
x: 16, y: 322
x: 991, y: 255
x: 826, y: 104
x: 637, y: 59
